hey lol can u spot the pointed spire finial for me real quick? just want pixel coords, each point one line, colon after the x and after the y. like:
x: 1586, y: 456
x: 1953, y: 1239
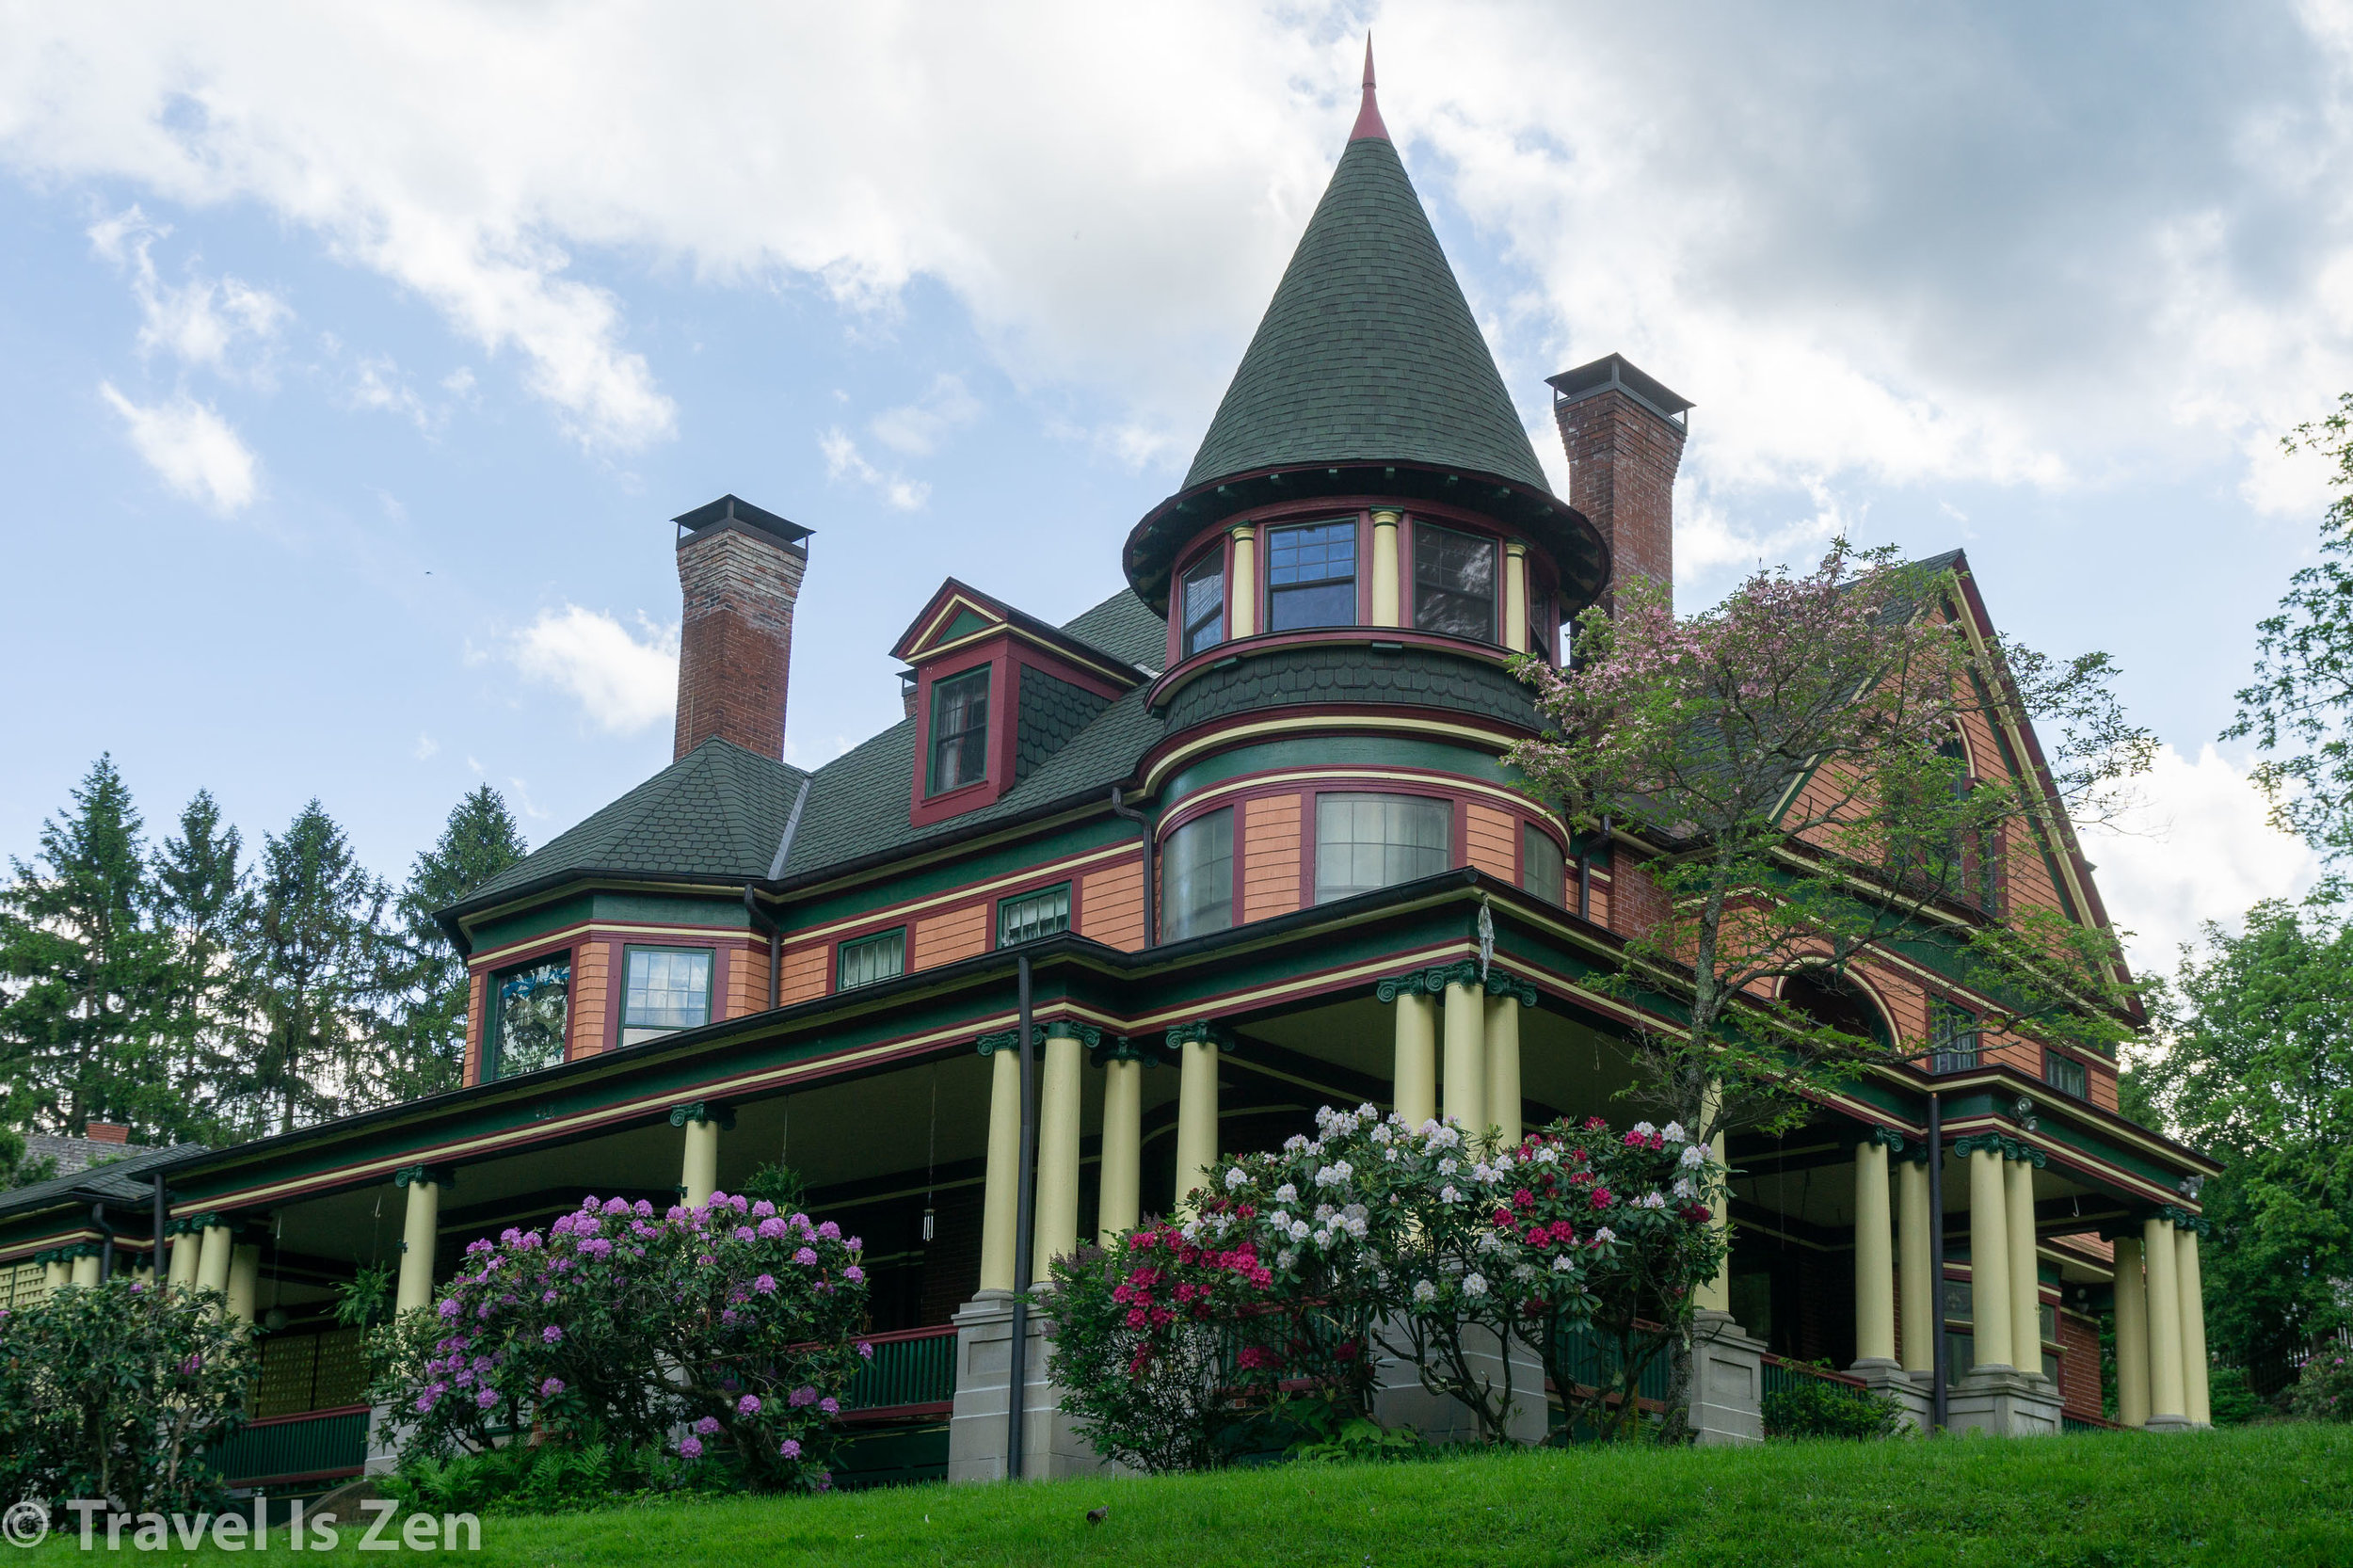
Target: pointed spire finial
x: 1368, y: 117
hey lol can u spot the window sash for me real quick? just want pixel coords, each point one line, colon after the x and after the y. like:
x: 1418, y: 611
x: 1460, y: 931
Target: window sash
x: 1202, y: 603
x: 1454, y: 583
x: 1952, y: 1037
x: 530, y: 1008
x: 870, y: 960
x: 959, y: 731
x: 2067, y: 1075
x: 1044, y: 913
x: 1365, y: 842
x: 1544, y: 869
x: 666, y: 988
x: 1197, y: 877
x: 1311, y: 576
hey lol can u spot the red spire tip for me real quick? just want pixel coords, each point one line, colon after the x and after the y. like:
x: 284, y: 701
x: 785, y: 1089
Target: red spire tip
x: 1368, y: 117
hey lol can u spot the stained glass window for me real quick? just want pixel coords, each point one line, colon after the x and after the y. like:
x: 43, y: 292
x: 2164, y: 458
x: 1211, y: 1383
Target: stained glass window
x: 1454, y: 582
x: 530, y: 1008
x: 959, y: 731
x: 1204, y: 599
x: 1311, y: 576
x: 1367, y: 841
x: 1197, y: 868
x: 669, y: 988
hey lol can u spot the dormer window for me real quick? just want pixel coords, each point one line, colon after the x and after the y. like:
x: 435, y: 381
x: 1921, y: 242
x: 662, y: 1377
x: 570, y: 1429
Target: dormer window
x: 1202, y: 595
x: 959, y: 737
x: 1454, y: 583
x: 1311, y: 576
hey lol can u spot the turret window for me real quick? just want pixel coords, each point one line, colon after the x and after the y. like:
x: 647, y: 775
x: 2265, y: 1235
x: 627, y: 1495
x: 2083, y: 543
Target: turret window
x: 1454, y: 583
x: 1203, y: 602
x: 1311, y: 576
x: 1543, y: 871
x: 1368, y: 841
x: 959, y: 731
x: 669, y: 988
x: 1197, y: 871
x: 530, y: 1011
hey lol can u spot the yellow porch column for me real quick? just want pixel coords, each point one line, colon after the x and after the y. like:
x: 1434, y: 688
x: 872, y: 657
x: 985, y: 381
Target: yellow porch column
x: 1988, y: 1257
x: 2026, y: 1290
x: 245, y: 1278
x: 1915, y: 1243
x: 183, y: 1250
x: 1415, y: 1079
x: 2166, y: 1395
x: 1716, y: 1294
x: 1241, y: 607
x: 1515, y: 597
x: 56, y: 1275
x: 1387, y: 600
x: 86, y: 1270
x: 1874, y: 1262
x: 212, y: 1264
x: 1120, y: 1204
x: 1197, y: 1047
x: 2194, y: 1389
x: 1466, y: 1082
x: 1057, y: 1234
x: 420, y: 1238
x: 1000, y: 1192
x: 1503, y: 1064
x: 2131, y: 1335
x: 699, y: 1164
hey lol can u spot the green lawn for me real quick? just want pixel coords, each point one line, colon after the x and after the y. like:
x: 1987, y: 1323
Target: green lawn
x: 2271, y: 1496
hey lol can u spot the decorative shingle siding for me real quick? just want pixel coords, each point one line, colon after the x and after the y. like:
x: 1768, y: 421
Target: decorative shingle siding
x: 1051, y: 711
x: 1420, y: 678
x: 1111, y: 905
x: 1269, y: 857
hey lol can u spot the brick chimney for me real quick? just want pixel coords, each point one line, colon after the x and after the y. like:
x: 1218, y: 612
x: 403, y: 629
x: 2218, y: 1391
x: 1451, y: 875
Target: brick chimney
x: 1623, y: 433
x: 106, y: 1133
x: 739, y: 571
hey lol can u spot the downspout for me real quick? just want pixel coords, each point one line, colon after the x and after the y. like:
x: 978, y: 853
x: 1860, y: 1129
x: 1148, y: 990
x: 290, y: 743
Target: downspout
x: 1151, y: 905
x: 163, y: 1224
x: 1024, y: 1228
x: 1941, y: 1362
x: 776, y: 874
x: 107, y: 1245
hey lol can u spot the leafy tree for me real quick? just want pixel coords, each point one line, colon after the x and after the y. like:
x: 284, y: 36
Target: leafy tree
x: 1796, y: 763
x: 313, y: 952
x: 427, y: 1036
x: 79, y: 966
x: 202, y: 1012
x: 15, y: 1169
x: 2258, y: 1070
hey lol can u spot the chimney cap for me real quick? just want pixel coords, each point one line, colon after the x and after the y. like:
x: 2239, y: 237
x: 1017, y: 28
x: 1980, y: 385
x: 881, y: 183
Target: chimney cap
x: 1615, y: 370
x: 731, y: 509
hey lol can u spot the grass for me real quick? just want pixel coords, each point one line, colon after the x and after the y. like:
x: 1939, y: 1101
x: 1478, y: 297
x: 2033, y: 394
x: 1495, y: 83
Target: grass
x: 2270, y: 1496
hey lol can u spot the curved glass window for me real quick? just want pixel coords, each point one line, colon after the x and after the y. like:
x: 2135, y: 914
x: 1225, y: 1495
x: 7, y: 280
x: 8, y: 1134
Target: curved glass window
x: 1454, y: 583
x: 1202, y: 601
x: 1311, y: 576
x: 1368, y: 841
x: 1543, y: 870
x: 1197, y: 877
x: 530, y: 1006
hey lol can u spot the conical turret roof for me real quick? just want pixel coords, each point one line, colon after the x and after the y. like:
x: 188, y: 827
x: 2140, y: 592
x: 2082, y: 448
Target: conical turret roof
x: 1369, y: 351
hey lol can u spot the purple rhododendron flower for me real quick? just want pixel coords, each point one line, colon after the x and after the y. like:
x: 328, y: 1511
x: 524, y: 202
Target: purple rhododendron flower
x: 771, y: 1229
x: 747, y: 1405
x: 830, y: 1231
x: 762, y: 1209
x: 424, y: 1403
x: 802, y: 1395
x: 854, y: 1273
x: 707, y: 1426
x: 765, y: 1285
x: 742, y: 1233
x: 449, y: 1308
x: 488, y: 1397
x: 806, y: 1257
x: 690, y: 1447
x: 617, y: 1206
x: 551, y: 1388
x: 830, y: 1405
x: 551, y: 1334
x: 727, y: 1315
x: 791, y: 1448
x: 865, y: 1351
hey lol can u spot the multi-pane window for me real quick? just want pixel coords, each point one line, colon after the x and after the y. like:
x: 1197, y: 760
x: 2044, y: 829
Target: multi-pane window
x: 666, y: 988
x: 2067, y: 1075
x: 1543, y: 870
x: 1197, y: 877
x: 1454, y: 582
x: 1202, y: 599
x: 1952, y: 1037
x: 530, y: 1006
x: 1367, y: 841
x: 871, y: 958
x: 1311, y: 576
x: 1034, y: 915
x: 1541, y: 627
x: 959, y: 731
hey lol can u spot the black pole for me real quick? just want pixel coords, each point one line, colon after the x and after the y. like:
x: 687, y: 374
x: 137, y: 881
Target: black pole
x: 163, y: 1224
x: 106, y: 1242
x: 1941, y: 1357
x: 1024, y: 1223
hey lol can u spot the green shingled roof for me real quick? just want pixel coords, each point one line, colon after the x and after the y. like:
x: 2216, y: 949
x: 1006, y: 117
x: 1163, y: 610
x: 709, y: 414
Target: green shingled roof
x: 1369, y: 350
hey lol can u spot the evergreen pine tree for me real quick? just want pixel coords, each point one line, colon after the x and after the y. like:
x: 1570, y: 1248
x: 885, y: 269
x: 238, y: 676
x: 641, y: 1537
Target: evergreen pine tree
x: 427, y: 1035
x: 202, y: 902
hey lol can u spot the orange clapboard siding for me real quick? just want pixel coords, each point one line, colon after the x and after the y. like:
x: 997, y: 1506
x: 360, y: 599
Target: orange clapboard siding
x: 1492, y: 842
x: 474, y: 990
x: 944, y: 938
x: 747, y: 981
x: 1111, y: 906
x: 1269, y: 857
x: 2102, y: 1082
x: 803, y: 973
x: 590, y: 972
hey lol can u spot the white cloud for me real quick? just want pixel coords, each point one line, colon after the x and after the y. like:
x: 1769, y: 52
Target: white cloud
x: 623, y: 680
x: 845, y: 461
x: 2200, y: 848
x: 427, y: 748
x: 192, y: 449
x: 378, y: 385
x: 197, y: 322
x: 916, y: 428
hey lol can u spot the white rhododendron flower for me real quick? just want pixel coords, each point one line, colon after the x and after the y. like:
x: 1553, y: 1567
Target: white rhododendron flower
x: 1644, y: 1128
x: 1604, y: 1234
x: 1293, y: 1143
x: 1474, y: 1285
x: 1236, y: 1177
x: 1424, y: 1293
x: 1562, y: 1265
x: 1695, y: 1155
x: 1449, y: 1194
x: 1286, y: 1193
x: 1449, y: 1165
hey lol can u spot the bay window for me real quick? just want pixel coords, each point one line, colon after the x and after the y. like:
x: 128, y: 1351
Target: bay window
x: 1202, y: 601
x: 1363, y: 842
x: 1311, y: 576
x: 1454, y: 583
x: 665, y: 989
x: 1543, y: 870
x: 1197, y: 877
x: 530, y: 1011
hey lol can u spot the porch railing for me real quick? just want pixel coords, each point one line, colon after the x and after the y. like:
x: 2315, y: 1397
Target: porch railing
x: 1780, y: 1374
x: 913, y: 1375
x: 2069, y: 1421
x: 282, y: 1450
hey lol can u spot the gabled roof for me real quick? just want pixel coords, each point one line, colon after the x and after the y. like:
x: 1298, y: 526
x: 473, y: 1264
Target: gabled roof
x: 1369, y: 351
x: 959, y: 613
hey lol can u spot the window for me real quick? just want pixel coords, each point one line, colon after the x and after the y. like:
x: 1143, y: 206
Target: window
x: 1454, y: 582
x: 1034, y: 915
x: 668, y: 989
x: 1541, y: 626
x: 1543, y: 870
x: 1367, y: 841
x: 1952, y: 1037
x: 2047, y: 1314
x: 1197, y: 877
x: 1202, y: 602
x: 530, y: 1006
x: 2067, y: 1075
x: 1311, y: 576
x: 871, y: 958
x: 959, y: 731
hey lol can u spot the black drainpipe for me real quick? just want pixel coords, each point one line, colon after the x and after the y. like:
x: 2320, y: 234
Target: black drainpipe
x: 1941, y: 1363
x: 1024, y: 1224
x: 163, y: 1224
x: 1151, y: 905
x: 751, y: 902
x: 106, y: 1243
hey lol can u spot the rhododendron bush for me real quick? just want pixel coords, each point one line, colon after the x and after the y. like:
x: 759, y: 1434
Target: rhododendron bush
x: 729, y: 1319
x: 1374, y: 1241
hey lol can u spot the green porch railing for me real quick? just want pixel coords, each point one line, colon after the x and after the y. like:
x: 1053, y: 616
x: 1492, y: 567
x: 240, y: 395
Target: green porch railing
x: 1591, y: 1359
x: 318, y: 1445
x: 2084, y: 1423
x: 912, y: 1369
x: 1779, y: 1376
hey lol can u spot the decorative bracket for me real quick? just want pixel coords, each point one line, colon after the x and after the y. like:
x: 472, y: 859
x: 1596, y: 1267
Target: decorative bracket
x: 1430, y: 982
x: 2184, y: 1219
x: 1119, y: 1047
x: 704, y: 1110
x: 1010, y: 1039
x: 1201, y: 1032
x: 1502, y: 984
x: 440, y: 1176
x: 1884, y: 1137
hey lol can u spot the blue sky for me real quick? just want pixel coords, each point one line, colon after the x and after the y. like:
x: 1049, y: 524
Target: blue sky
x: 351, y: 361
